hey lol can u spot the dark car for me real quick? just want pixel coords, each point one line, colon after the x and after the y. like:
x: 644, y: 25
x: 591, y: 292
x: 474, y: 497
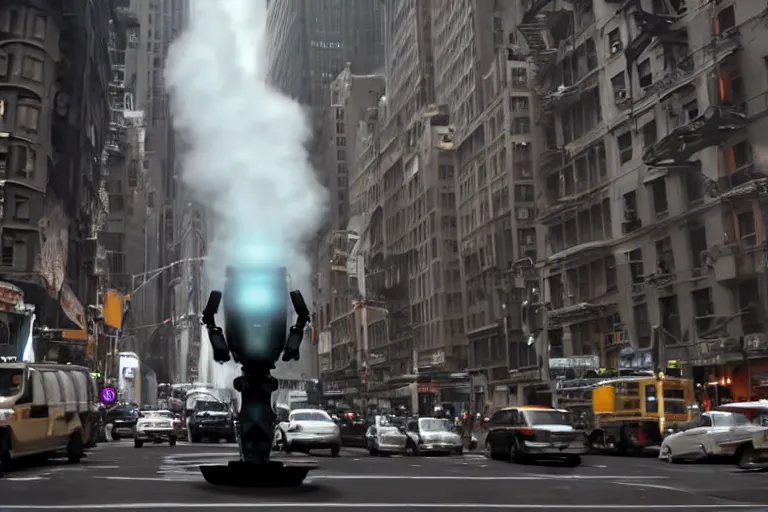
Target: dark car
x: 211, y: 420
x: 353, y: 429
x: 123, y: 418
x: 531, y: 432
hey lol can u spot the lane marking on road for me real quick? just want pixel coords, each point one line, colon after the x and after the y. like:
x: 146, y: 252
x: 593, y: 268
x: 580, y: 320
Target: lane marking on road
x: 205, y: 455
x: 24, y: 478
x: 656, y: 486
x: 188, y: 476
x: 360, y: 506
x: 488, y: 478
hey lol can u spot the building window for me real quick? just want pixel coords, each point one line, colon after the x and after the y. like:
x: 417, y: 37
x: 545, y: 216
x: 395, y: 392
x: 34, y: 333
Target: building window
x: 691, y: 110
x: 11, y: 22
x: 644, y: 74
x: 746, y: 224
x: 341, y: 155
x: 519, y: 78
x: 6, y: 254
x: 624, y: 142
x: 520, y: 104
x: 116, y: 203
x: 39, y: 29
x: 26, y: 160
x: 3, y: 165
x: 619, y: 87
x: 32, y: 69
x: 650, y: 134
x: 21, y: 208
x: 341, y: 141
x: 726, y: 19
x: 341, y: 168
x: 4, y: 71
x: 340, y: 128
x: 659, y: 194
x: 28, y: 118
x: 521, y: 126
x: 13, y: 251
x: 340, y: 115
x: 524, y: 193
x: 665, y: 256
x: 614, y: 42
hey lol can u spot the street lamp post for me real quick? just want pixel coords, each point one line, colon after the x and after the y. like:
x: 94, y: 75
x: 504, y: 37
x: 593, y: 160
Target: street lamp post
x: 147, y: 276
x: 152, y: 274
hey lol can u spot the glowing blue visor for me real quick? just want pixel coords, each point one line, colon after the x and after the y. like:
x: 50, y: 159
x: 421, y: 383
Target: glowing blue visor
x: 258, y: 291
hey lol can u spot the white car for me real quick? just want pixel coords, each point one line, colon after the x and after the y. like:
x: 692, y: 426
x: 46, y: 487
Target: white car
x: 308, y: 429
x: 718, y: 434
x: 433, y: 435
x: 155, y: 427
x: 385, y: 437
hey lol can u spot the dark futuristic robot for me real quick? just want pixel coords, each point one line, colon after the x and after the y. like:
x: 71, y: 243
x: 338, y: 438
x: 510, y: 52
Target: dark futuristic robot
x: 255, y: 312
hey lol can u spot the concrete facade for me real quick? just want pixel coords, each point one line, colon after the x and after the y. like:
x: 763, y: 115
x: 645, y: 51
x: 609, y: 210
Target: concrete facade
x: 54, y: 114
x: 652, y: 180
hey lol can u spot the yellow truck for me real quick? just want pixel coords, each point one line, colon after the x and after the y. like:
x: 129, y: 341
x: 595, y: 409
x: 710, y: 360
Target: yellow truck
x: 628, y: 414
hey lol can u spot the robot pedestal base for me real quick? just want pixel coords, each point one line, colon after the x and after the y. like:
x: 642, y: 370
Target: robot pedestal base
x: 249, y: 474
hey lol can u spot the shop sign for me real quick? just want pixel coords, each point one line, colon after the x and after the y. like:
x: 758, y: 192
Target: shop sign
x: 755, y: 342
x: 108, y: 395
x: 427, y: 389
x: 760, y: 381
x: 72, y: 307
x: 575, y: 362
x: 10, y: 297
x: 637, y: 361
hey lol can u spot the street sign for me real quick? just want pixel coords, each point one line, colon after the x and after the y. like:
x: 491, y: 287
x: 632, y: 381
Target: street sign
x: 108, y: 395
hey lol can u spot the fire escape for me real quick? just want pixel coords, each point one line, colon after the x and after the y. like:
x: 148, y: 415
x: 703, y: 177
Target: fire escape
x: 115, y: 159
x: 535, y: 22
x: 650, y: 25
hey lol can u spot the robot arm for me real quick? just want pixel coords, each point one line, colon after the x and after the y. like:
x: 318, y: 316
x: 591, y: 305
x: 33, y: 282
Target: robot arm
x: 296, y: 332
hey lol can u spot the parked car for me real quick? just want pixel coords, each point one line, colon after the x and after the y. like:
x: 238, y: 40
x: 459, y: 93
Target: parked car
x: 747, y: 454
x: 435, y: 435
x: 353, y: 429
x: 386, y: 436
x: 122, y: 417
x: 756, y: 456
x: 308, y: 429
x: 717, y: 434
x: 156, y: 427
x: 531, y: 432
x: 211, y: 420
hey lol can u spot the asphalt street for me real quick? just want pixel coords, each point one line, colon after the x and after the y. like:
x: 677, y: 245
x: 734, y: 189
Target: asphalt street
x: 158, y: 477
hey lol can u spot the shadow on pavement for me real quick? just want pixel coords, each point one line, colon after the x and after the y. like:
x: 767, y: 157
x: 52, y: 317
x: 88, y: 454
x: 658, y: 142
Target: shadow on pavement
x: 307, y: 491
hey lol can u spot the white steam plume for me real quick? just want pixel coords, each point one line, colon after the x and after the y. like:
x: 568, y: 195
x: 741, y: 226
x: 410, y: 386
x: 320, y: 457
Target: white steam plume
x: 246, y: 160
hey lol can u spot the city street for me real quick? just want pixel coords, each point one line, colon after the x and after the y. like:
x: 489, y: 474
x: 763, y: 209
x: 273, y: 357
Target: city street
x: 157, y: 477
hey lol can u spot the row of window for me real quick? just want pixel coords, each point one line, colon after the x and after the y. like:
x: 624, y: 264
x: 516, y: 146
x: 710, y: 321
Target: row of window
x: 23, y: 23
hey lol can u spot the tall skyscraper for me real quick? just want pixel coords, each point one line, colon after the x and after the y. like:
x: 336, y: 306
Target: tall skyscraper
x: 310, y: 42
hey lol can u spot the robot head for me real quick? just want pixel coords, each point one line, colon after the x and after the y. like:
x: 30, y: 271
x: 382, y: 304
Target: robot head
x: 256, y: 313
